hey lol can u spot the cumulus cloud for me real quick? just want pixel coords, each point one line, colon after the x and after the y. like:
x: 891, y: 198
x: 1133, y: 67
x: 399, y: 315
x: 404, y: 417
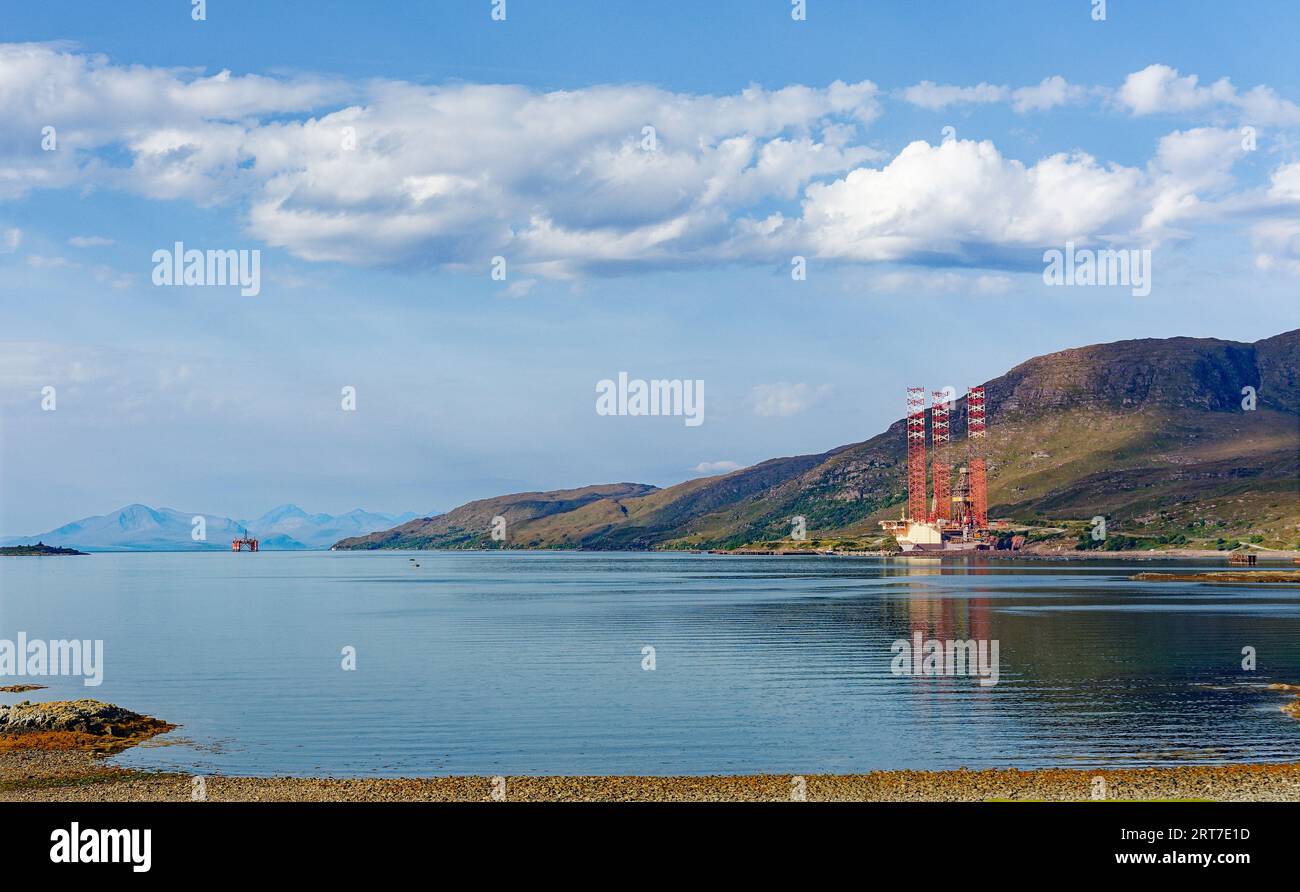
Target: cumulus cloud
x: 1189, y: 166
x: 783, y: 399
x: 1277, y: 240
x: 1160, y: 89
x: 600, y: 179
x: 1048, y: 94
x: 1277, y: 245
x: 1284, y: 183
x: 964, y: 203
x: 183, y: 129
x: 562, y: 179
x: 430, y: 175
x: 961, y: 198
x: 1262, y: 105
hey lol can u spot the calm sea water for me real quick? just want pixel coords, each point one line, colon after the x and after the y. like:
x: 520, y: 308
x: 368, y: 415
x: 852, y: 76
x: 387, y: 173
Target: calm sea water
x: 531, y: 663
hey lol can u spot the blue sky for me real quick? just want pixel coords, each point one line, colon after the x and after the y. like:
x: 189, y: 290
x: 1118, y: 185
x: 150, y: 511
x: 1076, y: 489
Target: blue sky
x: 474, y: 139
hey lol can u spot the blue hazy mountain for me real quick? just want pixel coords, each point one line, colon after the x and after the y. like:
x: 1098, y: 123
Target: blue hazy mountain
x: 142, y: 528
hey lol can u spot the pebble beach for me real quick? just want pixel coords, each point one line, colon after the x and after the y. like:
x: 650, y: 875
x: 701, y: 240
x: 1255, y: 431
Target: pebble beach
x: 73, y: 776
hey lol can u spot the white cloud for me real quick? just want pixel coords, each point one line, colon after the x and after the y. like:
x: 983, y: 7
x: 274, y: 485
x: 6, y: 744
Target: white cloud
x: 782, y: 399
x: 10, y: 238
x: 1285, y: 183
x: 1277, y: 245
x: 1261, y: 105
x: 962, y: 198
x: 1156, y: 89
x: 170, y: 115
x: 1048, y: 94
x: 1277, y: 239
x: 89, y: 241
x: 709, y: 468
x: 411, y: 175
x: 1188, y: 165
x: 1160, y: 89
x: 545, y: 178
x: 563, y: 183
x: 928, y: 94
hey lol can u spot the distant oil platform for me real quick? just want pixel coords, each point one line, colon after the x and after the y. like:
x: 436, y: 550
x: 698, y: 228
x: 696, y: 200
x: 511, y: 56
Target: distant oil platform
x: 957, y: 519
x: 244, y: 539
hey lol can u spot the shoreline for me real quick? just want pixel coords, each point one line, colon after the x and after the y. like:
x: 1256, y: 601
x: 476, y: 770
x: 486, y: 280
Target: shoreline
x: 1291, y: 577
x: 1270, y: 556
x: 71, y: 776
x: 1279, y: 557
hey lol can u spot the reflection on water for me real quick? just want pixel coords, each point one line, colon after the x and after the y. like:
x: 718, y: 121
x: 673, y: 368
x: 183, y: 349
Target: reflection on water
x: 530, y: 663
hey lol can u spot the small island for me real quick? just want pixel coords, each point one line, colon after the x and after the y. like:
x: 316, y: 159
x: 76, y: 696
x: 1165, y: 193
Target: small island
x: 40, y: 549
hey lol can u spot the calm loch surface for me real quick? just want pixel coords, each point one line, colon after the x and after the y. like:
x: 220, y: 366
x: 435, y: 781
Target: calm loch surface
x: 532, y: 663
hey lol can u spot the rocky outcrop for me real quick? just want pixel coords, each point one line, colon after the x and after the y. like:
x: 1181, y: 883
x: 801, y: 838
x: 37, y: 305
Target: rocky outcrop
x: 74, y: 724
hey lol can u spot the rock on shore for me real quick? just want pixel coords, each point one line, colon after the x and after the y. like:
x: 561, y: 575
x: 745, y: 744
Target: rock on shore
x: 74, y: 724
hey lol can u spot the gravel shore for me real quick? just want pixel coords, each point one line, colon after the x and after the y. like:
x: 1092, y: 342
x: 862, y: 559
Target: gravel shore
x: 60, y: 751
x: 47, y: 776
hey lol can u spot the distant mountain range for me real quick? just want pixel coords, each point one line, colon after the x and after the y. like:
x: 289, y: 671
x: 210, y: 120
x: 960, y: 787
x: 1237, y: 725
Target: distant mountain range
x: 1152, y: 434
x: 141, y: 528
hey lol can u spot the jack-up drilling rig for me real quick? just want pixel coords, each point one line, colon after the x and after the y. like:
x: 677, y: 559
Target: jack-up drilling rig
x: 958, y: 518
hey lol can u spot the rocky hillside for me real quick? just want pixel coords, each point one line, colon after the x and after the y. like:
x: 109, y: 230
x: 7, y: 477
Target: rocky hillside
x: 1150, y: 433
